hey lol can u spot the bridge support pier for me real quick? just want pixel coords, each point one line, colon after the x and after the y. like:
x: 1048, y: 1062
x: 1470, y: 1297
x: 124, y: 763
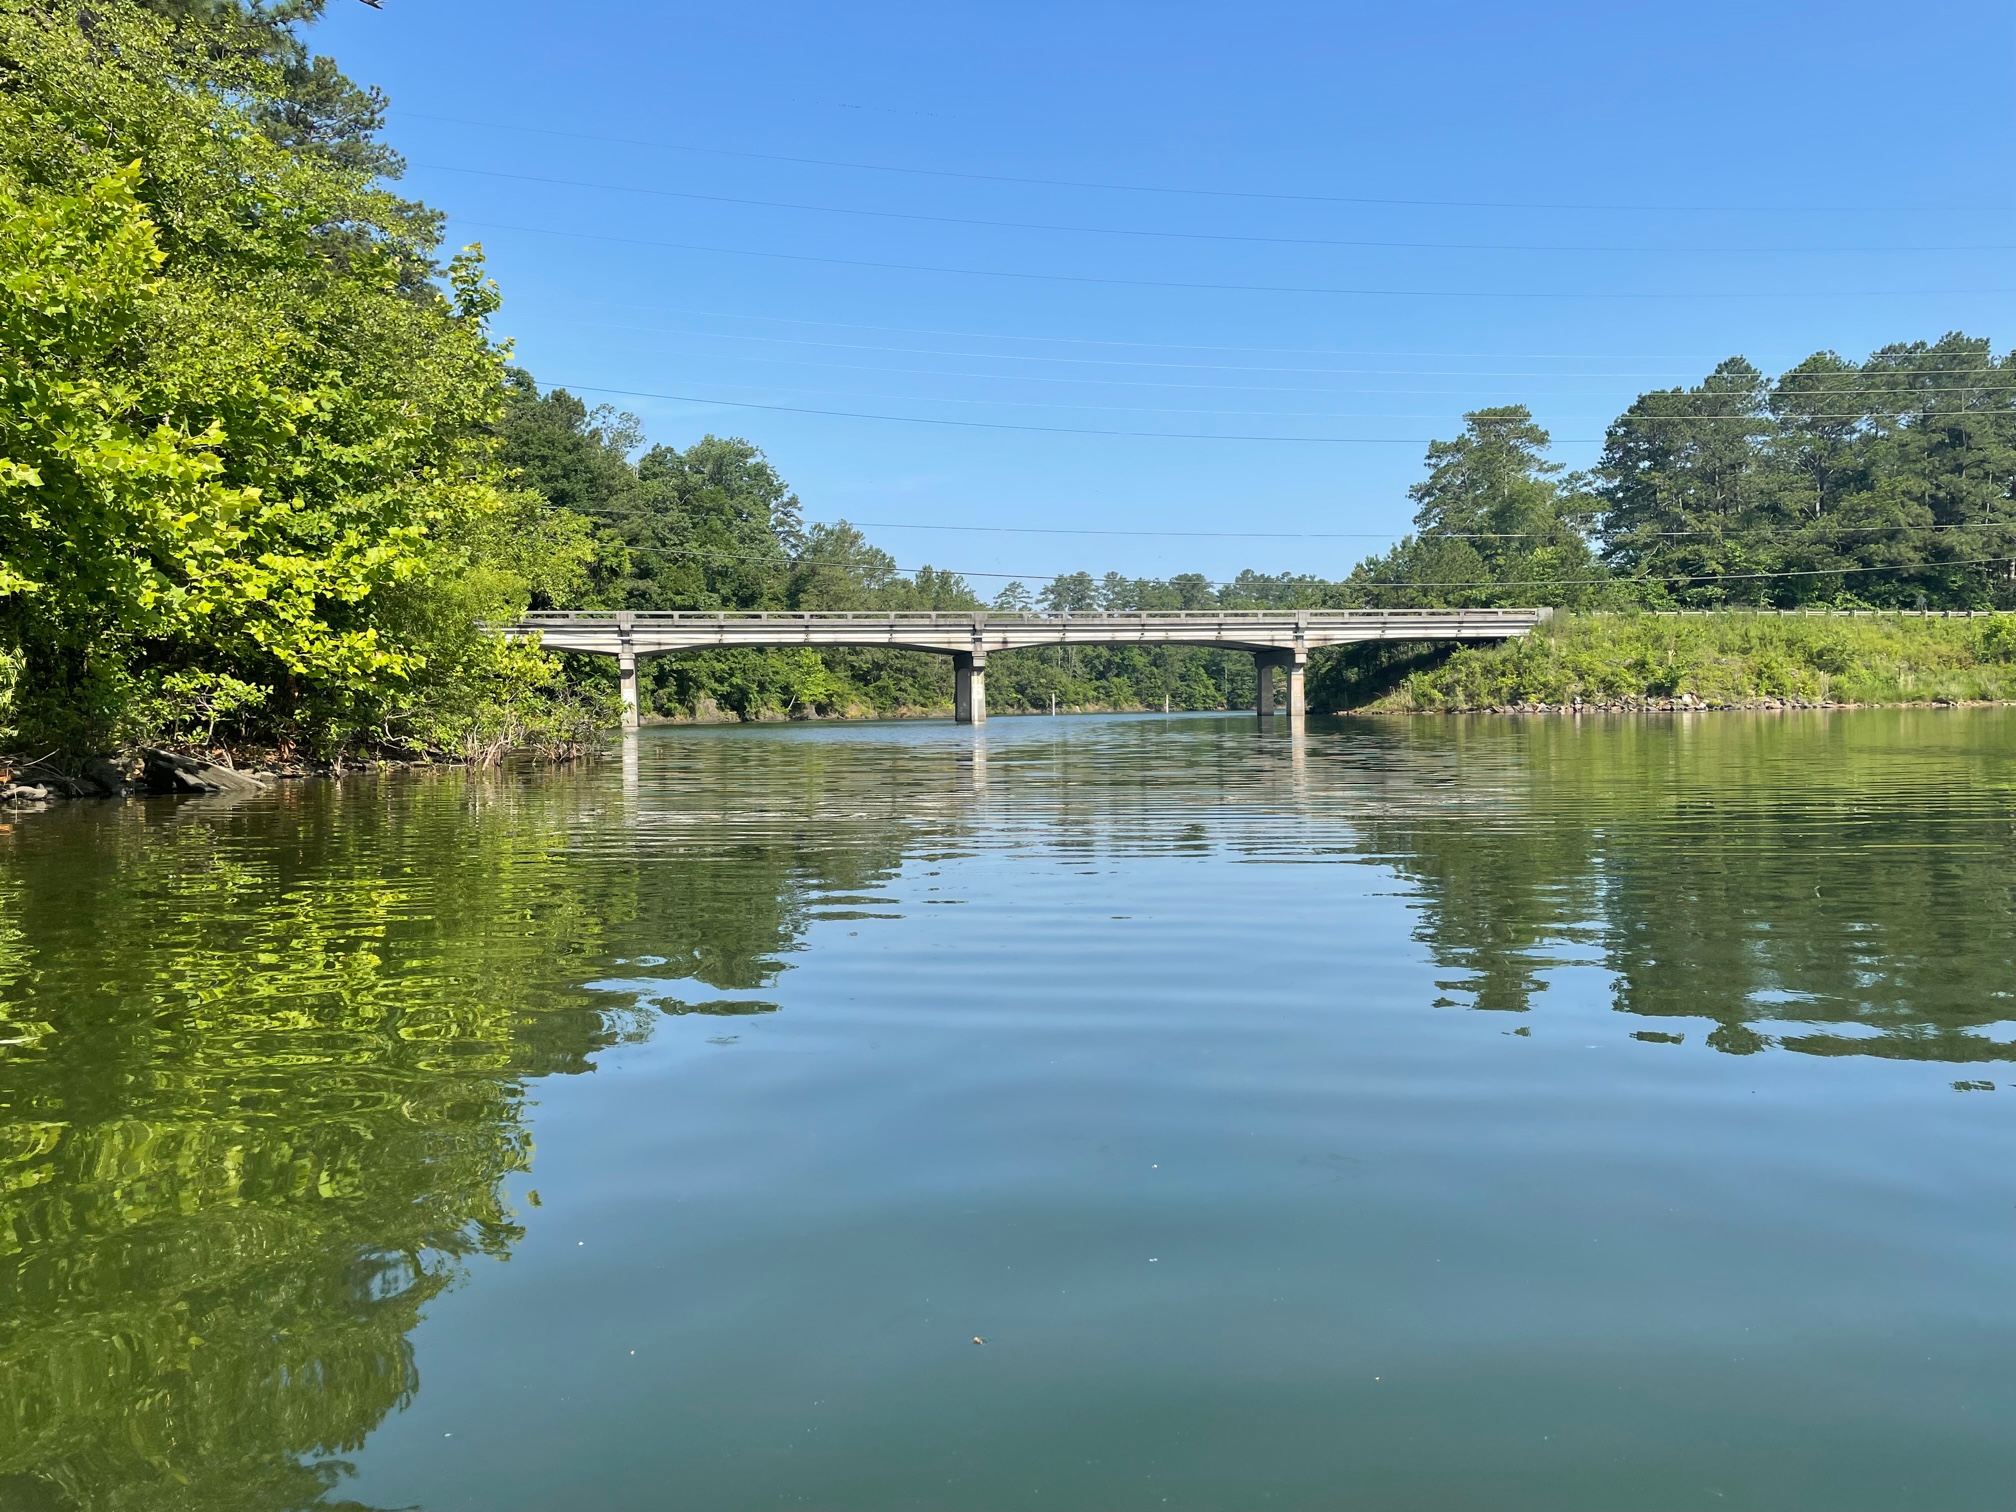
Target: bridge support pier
x: 626, y: 665
x: 626, y: 676
x: 1293, y: 663
x: 969, y: 693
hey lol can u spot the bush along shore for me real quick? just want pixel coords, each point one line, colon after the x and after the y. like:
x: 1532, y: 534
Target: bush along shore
x: 1731, y: 659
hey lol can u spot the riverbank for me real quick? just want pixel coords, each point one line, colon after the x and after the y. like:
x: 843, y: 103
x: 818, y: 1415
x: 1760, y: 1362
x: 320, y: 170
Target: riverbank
x: 27, y: 784
x: 32, y: 784
x: 1727, y: 660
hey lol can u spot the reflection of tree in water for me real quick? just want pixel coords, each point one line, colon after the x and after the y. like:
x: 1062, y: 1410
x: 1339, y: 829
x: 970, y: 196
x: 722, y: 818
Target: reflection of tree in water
x: 1848, y: 876
x: 259, y: 1087
x: 261, y: 1070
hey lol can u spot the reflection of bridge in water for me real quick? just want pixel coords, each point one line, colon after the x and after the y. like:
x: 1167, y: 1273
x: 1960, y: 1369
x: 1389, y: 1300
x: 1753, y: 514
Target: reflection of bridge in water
x: 1276, y: 637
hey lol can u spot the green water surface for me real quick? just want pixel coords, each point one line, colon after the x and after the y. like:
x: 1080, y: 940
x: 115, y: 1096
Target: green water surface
x: 1602, y: 1114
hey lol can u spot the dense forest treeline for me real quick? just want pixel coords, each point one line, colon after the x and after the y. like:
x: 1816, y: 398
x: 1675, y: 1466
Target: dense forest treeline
x: 264, y: 471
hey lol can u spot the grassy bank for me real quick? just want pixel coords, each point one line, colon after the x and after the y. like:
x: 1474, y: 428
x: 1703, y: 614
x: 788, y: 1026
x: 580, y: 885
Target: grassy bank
x: 1719, y: 658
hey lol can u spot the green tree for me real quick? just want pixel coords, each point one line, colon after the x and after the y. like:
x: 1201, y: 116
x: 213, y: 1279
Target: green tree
x: 1886, y: 482
x: 244, y: 454
x: 1495, y: 523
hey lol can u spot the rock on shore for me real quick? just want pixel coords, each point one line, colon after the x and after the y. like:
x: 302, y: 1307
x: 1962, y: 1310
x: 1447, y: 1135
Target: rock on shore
x: 167, y: 772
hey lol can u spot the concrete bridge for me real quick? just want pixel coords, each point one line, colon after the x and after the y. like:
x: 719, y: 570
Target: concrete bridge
x: 1276, y: 637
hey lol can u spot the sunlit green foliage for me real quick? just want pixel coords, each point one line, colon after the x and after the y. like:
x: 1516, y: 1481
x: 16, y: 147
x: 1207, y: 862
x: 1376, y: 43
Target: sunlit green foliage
x: 1722, y: 658
x: 245, y: 480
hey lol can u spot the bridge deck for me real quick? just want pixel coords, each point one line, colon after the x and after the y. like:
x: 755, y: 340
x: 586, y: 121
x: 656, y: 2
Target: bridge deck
x: 648, y: 632
x: 1276, y: 638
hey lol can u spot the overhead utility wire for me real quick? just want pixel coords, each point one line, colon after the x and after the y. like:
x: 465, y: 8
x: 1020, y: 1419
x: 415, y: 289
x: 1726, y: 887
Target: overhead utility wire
x: 1702, y: 577
x: 1342, y: 416
x: 1241, y: 194
x: 1170, y: 346
x: 2006, y: 385
x: 1130, y: 362
x: 1075, y: 430
x: 1389, y: 535
x: 1003, y: 425
x: 1674, y: 577
x: 1193, y: 286
x: 1739, y: 538
x: 1198, y: 236
x: 1097, y: 409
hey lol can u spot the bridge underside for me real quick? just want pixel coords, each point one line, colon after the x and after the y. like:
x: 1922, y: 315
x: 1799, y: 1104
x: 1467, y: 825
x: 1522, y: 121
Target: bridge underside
x: 1275, y: 639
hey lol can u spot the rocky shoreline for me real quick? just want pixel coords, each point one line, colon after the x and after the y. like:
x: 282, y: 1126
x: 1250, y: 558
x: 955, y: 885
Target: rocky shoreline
x: 36, y: 784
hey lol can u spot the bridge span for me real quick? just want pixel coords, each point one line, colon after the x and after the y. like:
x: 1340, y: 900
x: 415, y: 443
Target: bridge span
x: 1275, y: 637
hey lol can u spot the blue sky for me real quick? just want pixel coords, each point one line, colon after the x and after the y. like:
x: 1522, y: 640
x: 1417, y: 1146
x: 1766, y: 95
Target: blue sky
x: 995, y: 215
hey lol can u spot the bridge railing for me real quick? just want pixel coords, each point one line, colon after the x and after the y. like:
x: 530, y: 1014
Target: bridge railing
x: 995, y: 616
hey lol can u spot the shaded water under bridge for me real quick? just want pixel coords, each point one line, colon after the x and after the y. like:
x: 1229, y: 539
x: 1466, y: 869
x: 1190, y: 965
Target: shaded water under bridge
x: 1276, y: 637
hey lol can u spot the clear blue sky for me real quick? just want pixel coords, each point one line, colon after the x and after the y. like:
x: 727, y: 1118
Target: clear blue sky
x: 1572, y: 203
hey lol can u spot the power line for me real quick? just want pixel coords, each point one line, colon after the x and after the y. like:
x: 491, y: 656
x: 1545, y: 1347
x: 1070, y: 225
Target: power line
x: 1075, y: 430
x: 1126, y: 362
x: 1627, y: 418
x: 1388, y: 535
x: 780, y: 559
x: 1193, y: 286
x: 1002, y: 425
x: 2006, y: 385
x: 1753, y: 537
x: 1168, y: 346
x: 1196, y: 236
x: 1239, y: 194
x: 1119, y: 409
x: 1692, y: 577
x: 801, y: 563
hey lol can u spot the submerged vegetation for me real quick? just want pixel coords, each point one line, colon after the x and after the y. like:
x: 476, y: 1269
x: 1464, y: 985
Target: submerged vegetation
x: 264, y: 472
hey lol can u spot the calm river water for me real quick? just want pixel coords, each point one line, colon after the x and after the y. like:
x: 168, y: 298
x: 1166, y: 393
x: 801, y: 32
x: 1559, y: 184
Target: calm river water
x: 1428, y: 1114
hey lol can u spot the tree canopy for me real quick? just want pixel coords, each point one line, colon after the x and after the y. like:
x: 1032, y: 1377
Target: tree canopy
x: 246, y: 473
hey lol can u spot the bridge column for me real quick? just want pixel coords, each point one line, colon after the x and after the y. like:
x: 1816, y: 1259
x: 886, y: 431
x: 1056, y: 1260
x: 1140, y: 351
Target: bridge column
x: 626, y: 668
x: 1296, y: 661
x: 1263, y: 668
x: 1294, y: 664
x: 626, y: 675
x: 969, y: 696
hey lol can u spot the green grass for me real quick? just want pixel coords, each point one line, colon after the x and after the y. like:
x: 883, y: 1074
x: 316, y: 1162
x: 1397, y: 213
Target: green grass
x: 1729, y: 657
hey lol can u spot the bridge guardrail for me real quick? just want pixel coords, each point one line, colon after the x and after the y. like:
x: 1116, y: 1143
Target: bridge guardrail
x: 991, y: 616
